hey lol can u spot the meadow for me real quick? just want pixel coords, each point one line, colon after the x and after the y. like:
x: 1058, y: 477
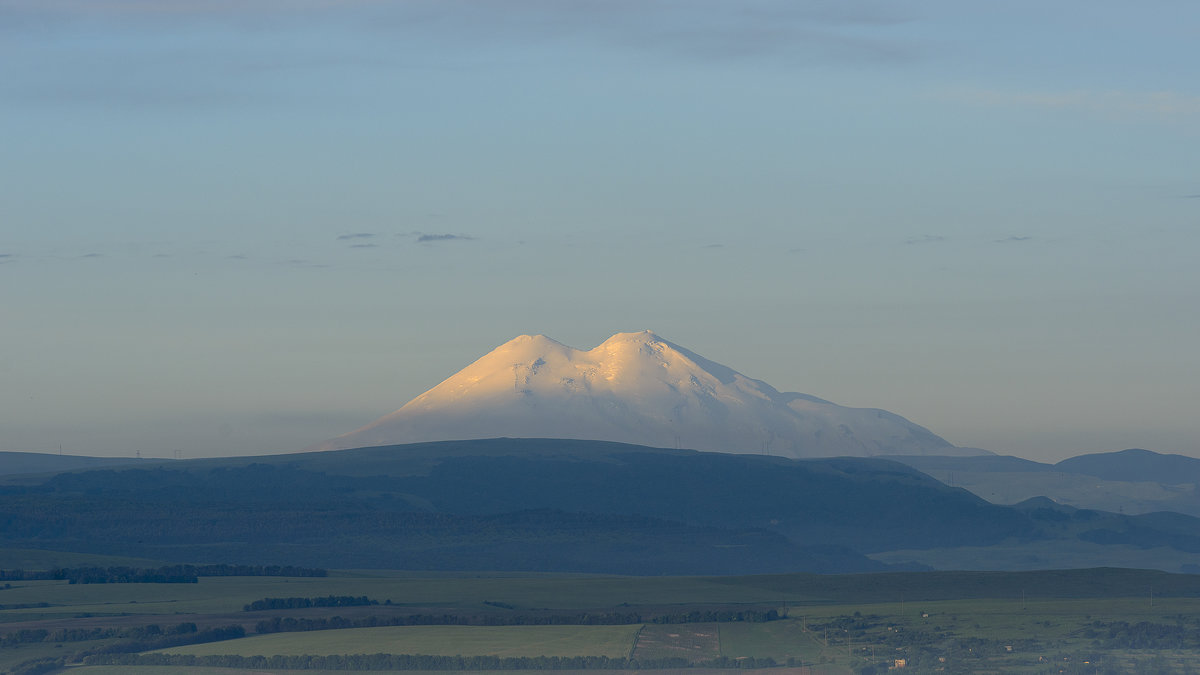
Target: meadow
x: 610, y: 641
x: 1032, y: 622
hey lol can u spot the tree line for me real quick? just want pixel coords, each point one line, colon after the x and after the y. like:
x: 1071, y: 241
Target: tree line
x: 135, y: 639
x: 305, y: 603
x: 301, y: 624
x: 149, y: 631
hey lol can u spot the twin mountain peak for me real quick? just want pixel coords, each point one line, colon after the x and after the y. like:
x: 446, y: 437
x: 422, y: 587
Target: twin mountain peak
x: 638, y: 388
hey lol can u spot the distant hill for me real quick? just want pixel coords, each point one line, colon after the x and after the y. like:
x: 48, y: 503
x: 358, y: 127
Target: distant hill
x: 557, y: 505
x: 638, y: 388
x: 35, y: 462
x: 974, y: 464
x: 1135, y: 465
x: 1130, y: 481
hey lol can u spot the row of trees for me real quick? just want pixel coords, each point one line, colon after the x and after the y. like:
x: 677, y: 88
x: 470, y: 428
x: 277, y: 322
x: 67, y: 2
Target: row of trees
x: 230, y: 632
x: 149, y: 631
x: 299, y: 624
x: 135, y: 639
x: 305, y: 603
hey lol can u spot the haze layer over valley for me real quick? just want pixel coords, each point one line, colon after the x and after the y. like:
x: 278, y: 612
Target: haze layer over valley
x: 638, y: 388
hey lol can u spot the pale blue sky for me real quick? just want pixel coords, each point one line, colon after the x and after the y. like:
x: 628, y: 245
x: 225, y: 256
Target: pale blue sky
x: 243, y: 227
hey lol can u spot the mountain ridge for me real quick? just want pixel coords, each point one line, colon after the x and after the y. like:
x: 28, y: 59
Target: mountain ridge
x: 1132, y: 481
x: 567, y: 505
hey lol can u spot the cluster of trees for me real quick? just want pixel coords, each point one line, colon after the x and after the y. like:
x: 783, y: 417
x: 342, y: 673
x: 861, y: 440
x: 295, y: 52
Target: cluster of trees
x: 230, y: 632
x: 24, y: 637
x: 304, y: 603
x: 715, y: 615
x: 124, y: 575
x: 167, y: 574
x: 136, y: 632
x: 293, y: 624
x: 151, y: 631
x: 38, y: 666
x: 136, y: 638
x: 368, y: 662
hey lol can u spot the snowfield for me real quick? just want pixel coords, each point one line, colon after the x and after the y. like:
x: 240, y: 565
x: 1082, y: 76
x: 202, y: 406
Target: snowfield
x: 638, y: 388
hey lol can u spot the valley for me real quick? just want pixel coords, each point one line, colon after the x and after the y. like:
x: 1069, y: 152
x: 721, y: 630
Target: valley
x: 1089, y: 621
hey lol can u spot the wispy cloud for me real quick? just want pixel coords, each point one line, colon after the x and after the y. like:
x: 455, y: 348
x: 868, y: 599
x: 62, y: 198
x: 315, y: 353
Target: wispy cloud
x: 302, y: 262
x: 7, y: 258
x: 429, y: 238
x: 924, y: 239
x: 364, y: 246
x: 134, y: 8
x: 815, y: 30
x: 1160, y: 104
x: 356, y: 235
x: 707, y: 29
x: 139, y: 70
x: 1013, y: 239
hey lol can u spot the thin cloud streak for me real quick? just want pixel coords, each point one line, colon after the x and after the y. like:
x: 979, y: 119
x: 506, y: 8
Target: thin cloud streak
x: 429, y: 238
x: 816, y: 32
x: 1160, y: 104
x: 924, y: 239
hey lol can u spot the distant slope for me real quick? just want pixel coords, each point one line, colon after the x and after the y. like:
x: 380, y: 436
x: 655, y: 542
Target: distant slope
x: 975, y: 464
x: 638, y: 388
x: 1130, y: 481
x: 1135, y: 465
x: 506, y: 504
x: 35, y: 462
x: 558, y: 505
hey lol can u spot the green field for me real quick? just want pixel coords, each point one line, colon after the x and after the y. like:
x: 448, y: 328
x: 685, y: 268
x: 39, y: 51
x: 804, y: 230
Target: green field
x: 695, y: 642
x: 840, y: 624
x: 37, y: 559
x: 203, y: 670
x: 779, y: 640
x: 611, y: 641
x: 1040, y: 555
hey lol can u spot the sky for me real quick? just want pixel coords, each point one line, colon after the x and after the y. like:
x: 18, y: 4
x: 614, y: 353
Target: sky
x: 244, y: 227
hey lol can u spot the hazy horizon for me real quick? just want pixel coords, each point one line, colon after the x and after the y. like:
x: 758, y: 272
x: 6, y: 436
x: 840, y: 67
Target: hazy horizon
x: 244, y: 228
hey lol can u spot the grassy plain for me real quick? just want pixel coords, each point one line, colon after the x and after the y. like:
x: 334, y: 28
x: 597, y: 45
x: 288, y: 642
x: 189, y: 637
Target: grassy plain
x: 1040, y: 555
x: 39, y: 559
x: 202, y: 670
x: 779, y: 640
x: 840, y: 623
x: 611, y: 641
x: 694, y: 641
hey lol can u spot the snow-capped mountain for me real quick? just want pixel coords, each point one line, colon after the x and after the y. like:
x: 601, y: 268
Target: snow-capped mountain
x: 637, y: 388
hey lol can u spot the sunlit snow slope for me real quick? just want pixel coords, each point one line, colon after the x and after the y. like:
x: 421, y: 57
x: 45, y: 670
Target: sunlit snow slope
x: 637, y: 388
